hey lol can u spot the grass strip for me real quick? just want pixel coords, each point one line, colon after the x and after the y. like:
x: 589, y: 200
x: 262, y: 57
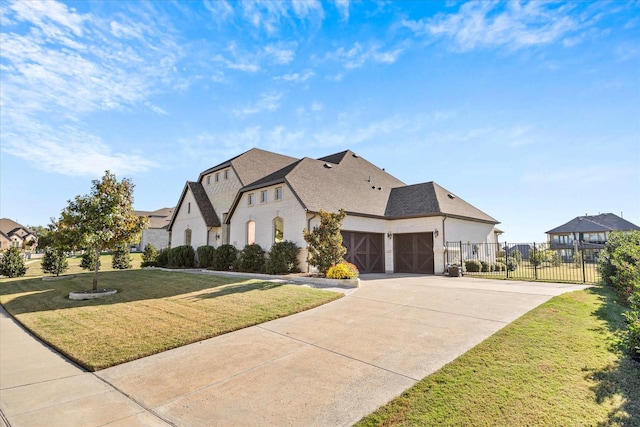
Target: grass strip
x: 153, y: 311
x: 560, y: 364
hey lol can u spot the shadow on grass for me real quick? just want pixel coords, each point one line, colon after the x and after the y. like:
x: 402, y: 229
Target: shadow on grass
x: 36, y: 295
x: 620, y: 381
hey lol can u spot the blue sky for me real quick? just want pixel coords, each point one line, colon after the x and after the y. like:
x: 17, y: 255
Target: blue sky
x: 528, y: 110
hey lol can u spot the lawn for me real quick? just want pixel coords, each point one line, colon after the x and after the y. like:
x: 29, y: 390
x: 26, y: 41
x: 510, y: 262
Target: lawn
x: 558, y: 365
x: 565, y: 272
x: 153, y: 311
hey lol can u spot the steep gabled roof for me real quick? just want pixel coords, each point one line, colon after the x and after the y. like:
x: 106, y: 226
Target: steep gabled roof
x: 204, y: 204
x: 253, y: 165
x: 595, y: 223
x: 9, y: 227
x: 429, y: 199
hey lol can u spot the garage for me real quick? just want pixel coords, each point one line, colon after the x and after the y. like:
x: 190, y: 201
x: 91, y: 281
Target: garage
x: 364, y: 250
x: 413, y: 253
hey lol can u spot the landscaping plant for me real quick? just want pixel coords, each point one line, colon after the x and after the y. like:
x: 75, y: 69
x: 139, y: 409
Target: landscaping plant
x: 283, y: 258
x: 121, y: 259
x: 54, y: 261
x: 12, y: 263
x: 149, y: 256
x: 343, y: 270
x: 205, y: 256
x: 251, y: 259
x: 325, y: 241
x: 224, y: 257
x: 619, y: 263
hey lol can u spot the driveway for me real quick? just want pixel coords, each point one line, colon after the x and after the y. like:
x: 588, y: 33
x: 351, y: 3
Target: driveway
x: 328, y: 366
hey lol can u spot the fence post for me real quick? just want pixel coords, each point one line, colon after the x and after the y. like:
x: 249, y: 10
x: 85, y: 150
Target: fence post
x: 535, y: 262
x: 461, y: 258
x: 506, y: 257
x: 584, y: 275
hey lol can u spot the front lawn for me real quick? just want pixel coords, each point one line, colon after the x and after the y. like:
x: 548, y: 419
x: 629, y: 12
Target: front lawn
x: 153, y: 311
x: 558, y: 365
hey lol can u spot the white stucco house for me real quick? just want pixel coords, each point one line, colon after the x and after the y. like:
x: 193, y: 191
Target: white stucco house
x: 263, y: 197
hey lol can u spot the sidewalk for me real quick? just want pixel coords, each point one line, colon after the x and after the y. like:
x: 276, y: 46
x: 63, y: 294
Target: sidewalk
x: 39, y: 387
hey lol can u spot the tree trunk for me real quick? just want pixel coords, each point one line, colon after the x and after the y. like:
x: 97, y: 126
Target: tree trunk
x: 95, y: 272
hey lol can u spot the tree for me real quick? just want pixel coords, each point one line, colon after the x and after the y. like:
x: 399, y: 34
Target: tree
x: 121, y: 259
x: 325, y: 241
x: 54, y: 261
x: 149, y: 256
x: 12, y: 263
x: 102, y: 219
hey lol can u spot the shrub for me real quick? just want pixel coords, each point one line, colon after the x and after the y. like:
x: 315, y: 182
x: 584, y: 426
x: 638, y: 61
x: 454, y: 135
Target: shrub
x: 500, y: 266
x: 162, y: 260
x: 224, y: 257
x: 205, y: 256
x: 555, y: 259
x: 487, y: 267
x: 473, y: 266
x: 343, y: 270
x: 633, y: 324
x: 54, y: 262
x: 89, y: 259
x: 149, y: 256
x: 619, y: 263
x: 512, y: 263
x: 12, y: 263
x: 121, y: 259
x: 515, y: 254
x: 182, y: 257
x: 283, y: 258
x: 325, y: 241
x: 577, y: 259
x: 252, y: 259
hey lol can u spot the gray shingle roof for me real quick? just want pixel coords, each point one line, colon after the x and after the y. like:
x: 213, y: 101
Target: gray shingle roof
x: 428, y: 199
x: 253, y: 165
x: 204, y: 204
x: 595, y: 223
x: 158, y: 219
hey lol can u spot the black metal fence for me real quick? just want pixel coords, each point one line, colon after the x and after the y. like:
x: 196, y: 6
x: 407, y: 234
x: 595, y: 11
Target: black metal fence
x: 576, y: 262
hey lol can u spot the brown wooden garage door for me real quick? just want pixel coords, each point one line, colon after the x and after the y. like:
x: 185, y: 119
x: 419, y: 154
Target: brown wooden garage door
x: 365, y: 250
x: 413, y: 253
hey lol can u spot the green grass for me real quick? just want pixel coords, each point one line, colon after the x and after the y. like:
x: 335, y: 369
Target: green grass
x: 547, y: 273
x: 558, y: 365
x: 153, y: 311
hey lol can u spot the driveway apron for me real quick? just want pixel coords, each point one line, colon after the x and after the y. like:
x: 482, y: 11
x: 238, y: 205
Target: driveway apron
x: 329, y: 366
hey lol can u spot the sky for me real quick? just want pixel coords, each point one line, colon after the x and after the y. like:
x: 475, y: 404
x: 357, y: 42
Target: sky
x: 530, y: 111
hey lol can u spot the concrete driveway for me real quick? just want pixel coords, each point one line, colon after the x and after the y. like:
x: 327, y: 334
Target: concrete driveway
x: 328, y: 366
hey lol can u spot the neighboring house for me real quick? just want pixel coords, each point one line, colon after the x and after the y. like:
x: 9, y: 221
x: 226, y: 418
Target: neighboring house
x: 589, y: 233
x: 156, y: 233
x: 263, y: 197
x: 15, y: 235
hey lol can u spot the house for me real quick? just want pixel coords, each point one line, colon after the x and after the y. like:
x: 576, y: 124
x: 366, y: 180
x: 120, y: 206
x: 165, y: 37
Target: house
x: 15, y: 235
x: 156, y: 233
x: 589, y: 233
x: 263, y: 197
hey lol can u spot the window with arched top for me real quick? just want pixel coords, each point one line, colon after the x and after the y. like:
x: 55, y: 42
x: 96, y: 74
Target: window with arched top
x: 251, y: 232
x: 278, y: 230
x: 187, y: 237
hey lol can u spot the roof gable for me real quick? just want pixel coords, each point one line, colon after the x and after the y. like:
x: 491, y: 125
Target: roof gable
x: 202, y: 200
x: 253, y: 165
x: 595, y: 223
x: 429, y: 199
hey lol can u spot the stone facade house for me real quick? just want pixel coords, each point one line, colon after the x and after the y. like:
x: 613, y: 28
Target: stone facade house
x: 263, y: 197
x: 16, y: 235
x: 156, y: 233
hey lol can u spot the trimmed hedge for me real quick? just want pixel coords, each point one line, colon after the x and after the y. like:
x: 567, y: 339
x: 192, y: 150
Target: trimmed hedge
x: 224, y: 257
x: 205, y: 256
x: 473, y: 266
x: 251, y: 259
x: 182, y: 257
x: 283, y: 258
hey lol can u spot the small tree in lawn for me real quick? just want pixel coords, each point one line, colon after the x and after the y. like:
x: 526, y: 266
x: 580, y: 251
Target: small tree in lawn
x: 102, y: 219
x: 54, y: 261
x: 325, y: 241
x: 121, y: 258
x: 12, y: 263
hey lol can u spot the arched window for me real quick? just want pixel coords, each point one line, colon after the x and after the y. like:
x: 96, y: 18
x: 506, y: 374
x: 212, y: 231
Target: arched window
x: 187, y: 237
x: 278, y: 230
x: 251, y: 232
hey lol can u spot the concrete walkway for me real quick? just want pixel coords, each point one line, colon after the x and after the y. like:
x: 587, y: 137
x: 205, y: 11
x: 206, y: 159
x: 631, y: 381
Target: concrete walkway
x: 328, y: 366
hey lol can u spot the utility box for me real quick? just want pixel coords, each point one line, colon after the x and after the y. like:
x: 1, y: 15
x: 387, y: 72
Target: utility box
x: 454, y: 271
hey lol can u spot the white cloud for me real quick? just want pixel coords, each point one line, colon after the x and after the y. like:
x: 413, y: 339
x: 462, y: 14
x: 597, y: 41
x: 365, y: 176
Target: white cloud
x: 358, y: 55
x: 220, y: 10
x: 269, y: 101
x: 343, y: 8
x: 514, y: 25
x: 68, y: 150
x: 60, y: 66
x: 268, y: 15
x: 297, y: 77
x: 281, y: 53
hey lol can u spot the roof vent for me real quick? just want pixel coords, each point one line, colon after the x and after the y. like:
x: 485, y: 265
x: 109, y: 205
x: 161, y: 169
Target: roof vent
x: 451, y: 196
x: 355, y: 155
x: 328, y: 166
